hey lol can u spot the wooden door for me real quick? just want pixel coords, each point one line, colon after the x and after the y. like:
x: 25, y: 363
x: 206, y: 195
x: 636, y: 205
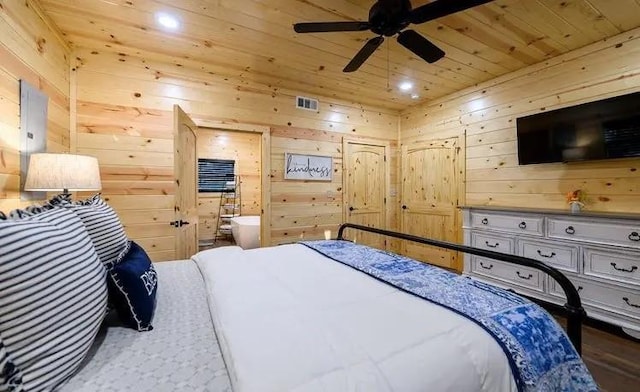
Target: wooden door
x: 431, y: 185
x: 186, y: 173
x: 366, y: 176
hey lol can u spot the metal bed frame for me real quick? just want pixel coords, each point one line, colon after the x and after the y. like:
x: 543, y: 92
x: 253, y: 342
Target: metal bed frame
x: 573, y: 308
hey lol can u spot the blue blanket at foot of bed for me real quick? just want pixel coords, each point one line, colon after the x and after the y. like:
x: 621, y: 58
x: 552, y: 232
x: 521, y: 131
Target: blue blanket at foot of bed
x: 540, y: 354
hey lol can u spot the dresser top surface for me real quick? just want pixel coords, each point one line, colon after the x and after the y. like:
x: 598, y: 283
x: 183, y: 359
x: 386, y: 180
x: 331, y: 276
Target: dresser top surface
x: 542, y: 211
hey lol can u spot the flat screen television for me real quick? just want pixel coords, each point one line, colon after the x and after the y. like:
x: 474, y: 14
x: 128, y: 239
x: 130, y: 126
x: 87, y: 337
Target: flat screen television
x: 604, y: 129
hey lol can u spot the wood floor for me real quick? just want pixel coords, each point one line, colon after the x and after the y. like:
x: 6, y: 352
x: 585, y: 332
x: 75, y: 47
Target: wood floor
x: 613, y: 360
x: 227, y: 241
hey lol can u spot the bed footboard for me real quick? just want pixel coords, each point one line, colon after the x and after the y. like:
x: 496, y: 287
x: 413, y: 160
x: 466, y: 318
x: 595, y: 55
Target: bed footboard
x: 573, y: 308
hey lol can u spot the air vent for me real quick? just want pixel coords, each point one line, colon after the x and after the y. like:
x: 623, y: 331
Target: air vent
x: 307, y: 103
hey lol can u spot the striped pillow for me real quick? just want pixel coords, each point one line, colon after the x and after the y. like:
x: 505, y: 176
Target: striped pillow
x: 102, y: 223
x: 10, y: 375
x: 29, y: 211
x: 53, y: 295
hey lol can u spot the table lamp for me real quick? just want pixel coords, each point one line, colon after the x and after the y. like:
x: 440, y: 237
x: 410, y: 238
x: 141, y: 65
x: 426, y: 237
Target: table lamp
x: 62, y: 172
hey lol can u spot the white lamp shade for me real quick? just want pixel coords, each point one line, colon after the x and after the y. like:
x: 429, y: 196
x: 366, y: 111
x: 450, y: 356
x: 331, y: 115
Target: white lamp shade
x: 55, y: 172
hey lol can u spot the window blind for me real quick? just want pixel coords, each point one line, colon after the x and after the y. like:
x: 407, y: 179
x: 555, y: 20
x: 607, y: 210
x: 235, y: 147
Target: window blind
x: 213, y: 174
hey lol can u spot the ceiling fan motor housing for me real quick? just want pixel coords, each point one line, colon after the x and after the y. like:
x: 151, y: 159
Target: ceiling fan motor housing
x: 389, y: 17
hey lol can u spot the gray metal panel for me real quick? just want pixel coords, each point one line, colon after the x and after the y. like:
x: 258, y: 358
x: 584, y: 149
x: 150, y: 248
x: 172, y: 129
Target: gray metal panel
x: 33, y: 132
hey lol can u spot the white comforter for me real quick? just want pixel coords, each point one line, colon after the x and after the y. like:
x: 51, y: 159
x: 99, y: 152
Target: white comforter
x: 289, y: 319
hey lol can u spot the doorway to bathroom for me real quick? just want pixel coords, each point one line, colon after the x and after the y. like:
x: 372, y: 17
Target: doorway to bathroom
x: 232, y: 181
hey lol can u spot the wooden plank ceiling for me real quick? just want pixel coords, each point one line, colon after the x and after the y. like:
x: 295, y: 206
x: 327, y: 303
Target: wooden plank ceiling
x: 253, y: 40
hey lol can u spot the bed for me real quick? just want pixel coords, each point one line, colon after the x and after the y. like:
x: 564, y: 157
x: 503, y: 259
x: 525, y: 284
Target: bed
x: 292, y: 318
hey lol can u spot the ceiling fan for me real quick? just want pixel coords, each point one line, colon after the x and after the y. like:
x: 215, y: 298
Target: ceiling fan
x: 391, y: 17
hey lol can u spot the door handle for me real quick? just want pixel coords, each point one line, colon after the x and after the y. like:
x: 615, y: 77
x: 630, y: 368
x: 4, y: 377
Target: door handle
x: 352, y: 208
x: 404, y: 207
x: 178, y: 223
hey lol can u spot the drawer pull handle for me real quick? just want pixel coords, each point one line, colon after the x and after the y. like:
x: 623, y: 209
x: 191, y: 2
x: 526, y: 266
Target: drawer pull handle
x: 528, y: 277
x: 497, y: 244
x: 485, y: 221
x: 549, y: 256
x: 615, y: 267
x: 625, y: 299
x: 485, y: 267
x: 634, y: 236
x: 570, y: 230
x: 523, y: 225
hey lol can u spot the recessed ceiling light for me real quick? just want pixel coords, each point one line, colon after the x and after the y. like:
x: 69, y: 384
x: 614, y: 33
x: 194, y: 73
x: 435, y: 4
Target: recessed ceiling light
x: 167, y: 21
x: 415, y: 96
x: 405, y: 86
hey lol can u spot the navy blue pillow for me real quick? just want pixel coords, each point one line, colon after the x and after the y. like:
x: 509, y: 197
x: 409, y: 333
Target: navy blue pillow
x: 133, y: 284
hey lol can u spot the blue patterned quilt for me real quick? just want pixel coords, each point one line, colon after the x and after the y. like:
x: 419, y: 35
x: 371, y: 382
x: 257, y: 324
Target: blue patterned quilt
x: 540, y: 354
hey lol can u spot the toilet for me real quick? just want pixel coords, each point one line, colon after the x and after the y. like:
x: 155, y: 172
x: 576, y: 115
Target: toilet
x: 246, y: 231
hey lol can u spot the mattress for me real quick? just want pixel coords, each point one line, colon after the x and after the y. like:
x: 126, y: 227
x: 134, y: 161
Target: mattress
x: 181, y: 353
x: 288, y: 319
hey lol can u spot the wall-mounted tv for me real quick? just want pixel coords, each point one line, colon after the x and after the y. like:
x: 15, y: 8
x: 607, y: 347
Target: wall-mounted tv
x: 604, y: 129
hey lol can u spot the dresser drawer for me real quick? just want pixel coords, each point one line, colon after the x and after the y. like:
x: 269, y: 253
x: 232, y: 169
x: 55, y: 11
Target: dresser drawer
x: 606, y: 233
x: 609, y: 264
x: 494, y: 242
x: 556, y: 254
x: 601, y: 295
x: 510, y: 273
x: 510, y: 223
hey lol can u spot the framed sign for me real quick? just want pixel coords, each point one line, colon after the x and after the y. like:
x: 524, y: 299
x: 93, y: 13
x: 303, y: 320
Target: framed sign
x: 307, y: 167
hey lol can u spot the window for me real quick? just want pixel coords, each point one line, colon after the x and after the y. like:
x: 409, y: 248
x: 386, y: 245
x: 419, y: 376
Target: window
x: 213, y: 174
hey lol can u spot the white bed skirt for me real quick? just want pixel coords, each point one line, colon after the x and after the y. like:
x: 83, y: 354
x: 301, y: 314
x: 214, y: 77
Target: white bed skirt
x: 289, y: 319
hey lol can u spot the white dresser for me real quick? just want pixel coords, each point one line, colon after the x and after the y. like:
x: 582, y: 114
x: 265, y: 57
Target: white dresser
x: 599, y: 253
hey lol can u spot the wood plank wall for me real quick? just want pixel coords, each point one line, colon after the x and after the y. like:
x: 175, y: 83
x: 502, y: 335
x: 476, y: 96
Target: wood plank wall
x: 488, y: 113
x: 305, y: 209
x: 124, y: 118
x: 244, y: 149
x: 30, y: 49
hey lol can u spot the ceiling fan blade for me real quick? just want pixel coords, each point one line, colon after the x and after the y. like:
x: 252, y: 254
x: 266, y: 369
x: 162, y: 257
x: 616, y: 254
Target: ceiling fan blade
x: 364, y: 53
x: 325, y: 27
x: 420, y: 46
x: 440, y: 8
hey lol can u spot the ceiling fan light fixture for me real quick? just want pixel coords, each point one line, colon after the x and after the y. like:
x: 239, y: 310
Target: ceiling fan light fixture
x: 405, y: 86
x: 168, y: 21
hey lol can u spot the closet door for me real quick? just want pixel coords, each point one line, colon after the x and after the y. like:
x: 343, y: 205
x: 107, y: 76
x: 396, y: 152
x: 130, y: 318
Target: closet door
x: 366, y: 182
x: 431, y: 186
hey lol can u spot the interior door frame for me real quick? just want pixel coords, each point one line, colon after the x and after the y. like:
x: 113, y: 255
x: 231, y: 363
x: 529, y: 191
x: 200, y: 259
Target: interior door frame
x: 461, y: 175
x: 265, y: 163
x: 386, y: 183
